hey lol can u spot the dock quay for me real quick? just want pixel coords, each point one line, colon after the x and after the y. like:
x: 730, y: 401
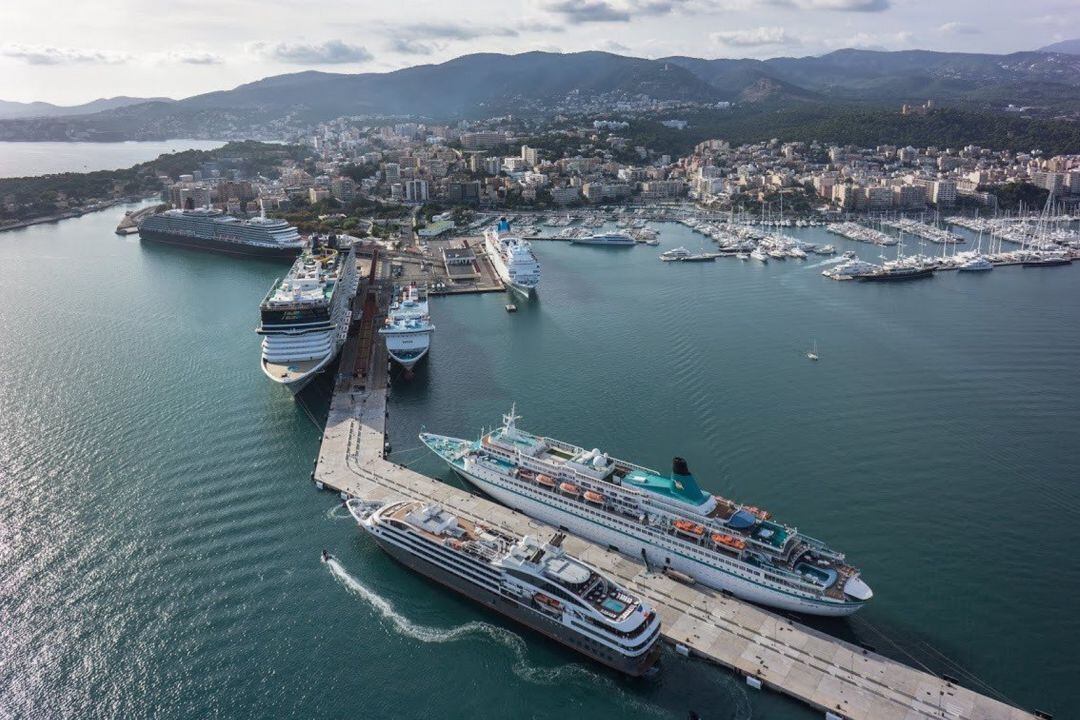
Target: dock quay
x: 456, y: 266
x: 840, y: 679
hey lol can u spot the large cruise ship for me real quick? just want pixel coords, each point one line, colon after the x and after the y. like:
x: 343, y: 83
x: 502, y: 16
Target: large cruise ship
x: 513, y: 259
x: 535, y: 583
x: 408, y: 327
x: 214, y: 230
x: 306, y: 315
x: 668, y: 521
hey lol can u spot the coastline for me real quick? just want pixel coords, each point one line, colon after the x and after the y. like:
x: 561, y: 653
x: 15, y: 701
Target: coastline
x: 104, y: 205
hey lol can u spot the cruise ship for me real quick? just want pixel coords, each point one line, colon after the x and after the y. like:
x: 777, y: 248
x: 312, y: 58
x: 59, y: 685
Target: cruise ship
x: 513, y: 259
x: 611, y: 239
x: 213, y: 230
x: 306, y: 315
x: 535, y: 583
x: 408, y: 327
x: 668, y: 521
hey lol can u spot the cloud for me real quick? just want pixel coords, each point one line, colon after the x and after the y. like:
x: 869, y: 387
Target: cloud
x: 871, y: 41
x: 588, y: 11
x: 455, y: 31
x: 613, y: 46
x: 408, y: 46
x: 331, y: 52
x: 193, y: 57
x: 958, y: 28
x: 837, y: 5
x: 583, y: 11
x: 539, y: 26
x: 755, y: 37
x: 45, y: 55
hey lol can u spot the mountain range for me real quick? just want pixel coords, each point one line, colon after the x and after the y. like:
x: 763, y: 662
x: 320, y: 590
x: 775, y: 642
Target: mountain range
x: 487, y: 84
x: 10, y: 109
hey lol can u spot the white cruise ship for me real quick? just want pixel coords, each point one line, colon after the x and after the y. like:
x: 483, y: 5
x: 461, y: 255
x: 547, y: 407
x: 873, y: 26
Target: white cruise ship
x: 537, y: 584
x: 306, y: 315
x: 513, y: 259
x: 668, y: 521
x: 408, y: 327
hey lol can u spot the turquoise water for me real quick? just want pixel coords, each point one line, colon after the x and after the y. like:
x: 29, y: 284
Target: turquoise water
x: 20, y: 159
x: 160, y: 537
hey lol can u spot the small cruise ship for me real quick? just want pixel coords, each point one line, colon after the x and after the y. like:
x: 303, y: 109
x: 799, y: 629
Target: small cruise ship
x: 611, y: 239
x: 207, y: 229
x: 513, y: 259
x: 667, y: 521
x: 408, y: 327
x: 306, y: 315
x: 537, y: 584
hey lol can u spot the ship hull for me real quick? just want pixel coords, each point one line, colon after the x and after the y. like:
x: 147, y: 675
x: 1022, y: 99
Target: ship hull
x: 514, y: 610
x: 655, y: 555
x: 1055, y: 262
x: 897, y: 277
x: 407, y: 349
x: 220, y: 246
x: 603, y: 243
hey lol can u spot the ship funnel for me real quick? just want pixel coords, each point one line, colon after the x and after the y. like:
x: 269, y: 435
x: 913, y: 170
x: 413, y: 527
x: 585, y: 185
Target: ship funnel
x: 684, y: 486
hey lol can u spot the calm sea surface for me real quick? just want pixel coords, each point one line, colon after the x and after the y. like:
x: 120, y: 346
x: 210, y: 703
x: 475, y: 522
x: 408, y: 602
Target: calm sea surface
x: 160, y: 536
x: 20, y: 159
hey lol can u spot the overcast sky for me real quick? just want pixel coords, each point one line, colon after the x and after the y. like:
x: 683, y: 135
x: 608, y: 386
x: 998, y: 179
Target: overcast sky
x: 71, y: 51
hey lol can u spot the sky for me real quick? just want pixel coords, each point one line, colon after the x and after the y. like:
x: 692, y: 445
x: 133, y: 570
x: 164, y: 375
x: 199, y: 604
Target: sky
x: 72, y: 51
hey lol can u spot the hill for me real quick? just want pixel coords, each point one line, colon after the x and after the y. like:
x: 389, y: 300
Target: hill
x: 535, y: 83
x: 1069, y: 47
x: 10, y: 109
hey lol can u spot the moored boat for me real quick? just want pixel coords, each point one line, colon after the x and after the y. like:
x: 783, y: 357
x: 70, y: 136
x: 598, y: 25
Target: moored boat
x: 537, y: 584
x: 665, y: 520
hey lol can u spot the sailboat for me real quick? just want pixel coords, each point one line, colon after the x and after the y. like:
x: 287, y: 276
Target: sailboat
x: 812, y: 353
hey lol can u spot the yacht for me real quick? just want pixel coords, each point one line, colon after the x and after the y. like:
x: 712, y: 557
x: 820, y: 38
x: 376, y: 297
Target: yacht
x: 976, y: 264
x: 675, y: 254
x: 667, y: 521
x: 759, y: 255
x: 851, y: 270
x: 611, y: 239
x: 537, y: 584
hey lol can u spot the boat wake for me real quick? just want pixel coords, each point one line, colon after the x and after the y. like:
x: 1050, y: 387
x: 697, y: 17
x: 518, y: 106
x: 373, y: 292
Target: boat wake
x: 570, y: 673
x: 337, y: 512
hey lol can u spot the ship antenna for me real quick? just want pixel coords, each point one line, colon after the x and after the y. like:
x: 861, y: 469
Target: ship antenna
x: 509, y: 420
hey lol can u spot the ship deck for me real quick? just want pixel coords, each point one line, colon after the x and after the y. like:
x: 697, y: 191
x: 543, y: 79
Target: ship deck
x: 822, y: 671
x: 290, y: 372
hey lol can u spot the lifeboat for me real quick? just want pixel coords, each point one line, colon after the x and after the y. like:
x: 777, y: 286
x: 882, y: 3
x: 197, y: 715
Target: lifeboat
x: 594, y: 497
x: 526, y: 473
x: 729, y: 541
x: 542, y: 599
x: 454, y: 544
x: 545, y: 480
x: 763, y: 514
x: 569, y: 488
x: 689, y: 528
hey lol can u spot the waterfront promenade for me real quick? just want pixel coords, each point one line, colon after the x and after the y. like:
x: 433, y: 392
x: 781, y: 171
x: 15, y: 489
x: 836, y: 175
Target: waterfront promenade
x: 826, y: 673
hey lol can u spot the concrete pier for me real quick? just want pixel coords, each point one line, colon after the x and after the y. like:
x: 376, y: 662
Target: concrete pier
x: 831, y: 675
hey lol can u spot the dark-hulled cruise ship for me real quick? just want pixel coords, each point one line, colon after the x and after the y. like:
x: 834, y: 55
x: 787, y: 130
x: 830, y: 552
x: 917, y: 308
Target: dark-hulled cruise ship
x: 213, y: 230
x: 537, y: 584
